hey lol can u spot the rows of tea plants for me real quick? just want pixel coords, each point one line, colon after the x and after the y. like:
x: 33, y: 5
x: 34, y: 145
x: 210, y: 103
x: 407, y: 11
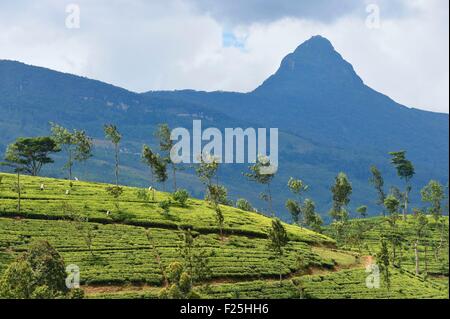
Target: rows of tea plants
x: 430, y: 260
x: 351, y: 284
x: 120, y: 254
x: 59, y: 199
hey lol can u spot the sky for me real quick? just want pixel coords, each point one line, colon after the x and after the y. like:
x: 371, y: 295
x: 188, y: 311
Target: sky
x: 398, y: 47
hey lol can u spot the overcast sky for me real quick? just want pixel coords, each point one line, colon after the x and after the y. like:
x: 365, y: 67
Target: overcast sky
x: 234, y: 45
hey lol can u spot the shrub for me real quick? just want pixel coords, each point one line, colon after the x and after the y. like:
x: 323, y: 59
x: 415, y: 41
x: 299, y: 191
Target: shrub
x: 39, y: 274
x: 217, y: 194
x: 181, y: 196
x: 165, y: 206
x: 120, y: 216
x: 244, y: 204
x: 114, y: 191
x: 142, y: 195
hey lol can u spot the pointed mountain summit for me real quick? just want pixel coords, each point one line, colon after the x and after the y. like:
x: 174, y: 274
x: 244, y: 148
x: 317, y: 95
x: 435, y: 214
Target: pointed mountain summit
x: 314, y: 64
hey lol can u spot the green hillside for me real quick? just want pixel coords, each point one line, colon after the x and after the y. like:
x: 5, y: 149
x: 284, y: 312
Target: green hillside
x: 122, y: 246
x: 432, y: 248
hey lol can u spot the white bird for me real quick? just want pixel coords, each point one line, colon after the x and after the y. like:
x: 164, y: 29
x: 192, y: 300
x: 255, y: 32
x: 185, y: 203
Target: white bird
x: 42, y: 187
x: 67, y: 192
x: 76, y: 179
x: 108, y: 213
x: 150, y: 188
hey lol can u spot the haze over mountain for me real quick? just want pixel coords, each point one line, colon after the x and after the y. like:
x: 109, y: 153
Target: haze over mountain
x: 329, y: 121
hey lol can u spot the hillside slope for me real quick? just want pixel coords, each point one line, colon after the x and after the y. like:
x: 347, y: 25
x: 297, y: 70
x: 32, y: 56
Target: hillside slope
x: 132, y: 240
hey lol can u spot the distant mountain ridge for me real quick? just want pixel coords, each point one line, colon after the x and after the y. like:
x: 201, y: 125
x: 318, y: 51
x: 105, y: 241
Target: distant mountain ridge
x: 329, y: 121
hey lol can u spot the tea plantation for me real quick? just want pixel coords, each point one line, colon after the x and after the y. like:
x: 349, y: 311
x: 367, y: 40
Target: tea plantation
x: 122, y: 245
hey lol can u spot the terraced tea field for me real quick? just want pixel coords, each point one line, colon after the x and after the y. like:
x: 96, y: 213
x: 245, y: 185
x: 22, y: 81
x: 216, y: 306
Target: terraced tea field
x: 436, y: 235
x: 118, y: 260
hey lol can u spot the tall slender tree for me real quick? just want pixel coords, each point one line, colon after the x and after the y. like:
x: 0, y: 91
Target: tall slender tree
x: 383, y: 263
x: 420, y: 228
x: 298, y: 188
x: 76, y: 144
x: 405, y: 170
x: 114, y: 136
x: 260, y: 173
x: 378, y: 183
x: 434, y: 194
x: 165, y: 144
x: 206, y: 171
x: 278, y: 239
x: 341, y: 190
x: 392, y: 205
x: 19, y: 167
x: 150, y: 159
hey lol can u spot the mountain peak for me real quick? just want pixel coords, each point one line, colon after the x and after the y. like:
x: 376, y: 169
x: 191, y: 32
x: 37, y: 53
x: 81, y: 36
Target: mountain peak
x: 316, y: 43
x: 314, y: 64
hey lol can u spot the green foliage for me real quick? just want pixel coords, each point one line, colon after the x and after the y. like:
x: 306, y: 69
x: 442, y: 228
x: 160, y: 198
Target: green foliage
x: 434, y: 194
x: 217, y: 194
x: 31, y: 154
x: 165, y: 144
x: 16, y: 282
x: 180, y: 284
x: 207, y: 169
x: 342, y: 190
x: 392, y: 206
x: 262, y: 172
x: 312, y: 219
x: 295, y: 210
x: 163, y: 134
x: 92, y: 201
x: 142, y: 195
x: 38, y: 273
x: 165, y: 206
x: 362, y: 211
x: 77, y: 144
x: 244, y: 205
x: 278, y: 237
x: 114, y: 136
x: 114, y: 191
x: 297, y: 186
x: 195, y: 258
x: 378, y: 182
x: 351, y: 284
x: 152, y: 160
x: 405, y: 168
x: 181, y: 196
x: 383, y: 263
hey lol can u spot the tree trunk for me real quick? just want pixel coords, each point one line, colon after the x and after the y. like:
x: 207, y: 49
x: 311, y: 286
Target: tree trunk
x: 426, y: 255
x: 174, y: 178
x: 270, y: 200
x: 416, y: 253
x: 394, y: 252
x: 117, y: 165
x: 405, y: 209
x: 70, y: 163
x: 18, y: 192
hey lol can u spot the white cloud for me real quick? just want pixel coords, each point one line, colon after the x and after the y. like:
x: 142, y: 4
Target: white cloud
x: 142, y: 45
